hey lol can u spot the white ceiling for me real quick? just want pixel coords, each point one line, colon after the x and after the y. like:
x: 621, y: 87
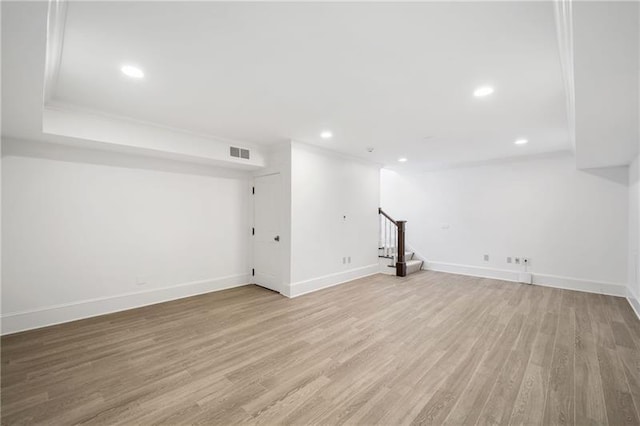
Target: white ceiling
x: 396, y: 77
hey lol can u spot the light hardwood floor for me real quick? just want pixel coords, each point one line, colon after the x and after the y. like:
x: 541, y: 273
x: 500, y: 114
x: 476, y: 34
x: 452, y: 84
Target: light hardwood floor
x: 430, y: 348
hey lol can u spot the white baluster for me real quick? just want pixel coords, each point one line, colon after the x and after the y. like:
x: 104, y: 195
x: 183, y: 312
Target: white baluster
x: 395, y: 241
x: 388, y: 238
x: 384, y: 240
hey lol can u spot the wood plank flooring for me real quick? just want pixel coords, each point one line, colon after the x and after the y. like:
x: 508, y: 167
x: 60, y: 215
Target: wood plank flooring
x: 431, y: 348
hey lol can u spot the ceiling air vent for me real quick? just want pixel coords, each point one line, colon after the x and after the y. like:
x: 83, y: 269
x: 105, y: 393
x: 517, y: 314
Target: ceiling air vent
x: 239, y: 152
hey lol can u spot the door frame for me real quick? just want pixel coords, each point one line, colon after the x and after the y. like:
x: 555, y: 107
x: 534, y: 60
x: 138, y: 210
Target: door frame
x: 280, y: 286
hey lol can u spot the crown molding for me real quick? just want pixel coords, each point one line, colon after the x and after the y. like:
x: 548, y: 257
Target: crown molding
x: 564, y: 28
x: 56, y: 20
x: 55, y: 105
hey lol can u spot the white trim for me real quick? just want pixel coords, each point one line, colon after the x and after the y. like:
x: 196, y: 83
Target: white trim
x: 56, y: 21
x: 473, y: 271
x: 563, y: 13
x: 546, y: 280
x: 579, y: 284
x: 57, y: 314
x: 319, y: 283
x: 335, y: 154
x: 484, y: 163
x: 67, y: 108
x: 634, y: 301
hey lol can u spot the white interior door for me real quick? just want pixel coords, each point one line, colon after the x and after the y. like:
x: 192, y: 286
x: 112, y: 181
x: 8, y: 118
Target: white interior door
x: 267, y: 220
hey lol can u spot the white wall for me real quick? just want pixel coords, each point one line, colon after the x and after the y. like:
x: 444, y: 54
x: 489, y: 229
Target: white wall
x: 82, y: 229
x: 606, y: 63
x: 634, y: 233
x: 634, y: 216
x: 334, y: 211
x: 89, y: 232
x: 572, y: 224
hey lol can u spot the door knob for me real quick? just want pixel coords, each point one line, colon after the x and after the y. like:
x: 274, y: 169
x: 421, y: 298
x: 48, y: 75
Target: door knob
x: 277, y: 238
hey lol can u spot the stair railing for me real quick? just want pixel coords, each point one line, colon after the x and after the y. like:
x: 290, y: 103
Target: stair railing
x: 392, y: 240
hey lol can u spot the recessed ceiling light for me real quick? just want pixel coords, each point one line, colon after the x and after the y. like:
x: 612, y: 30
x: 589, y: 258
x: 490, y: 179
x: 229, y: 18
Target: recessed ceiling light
x: 131, y: 71
x: 483, y: 91
x: 402, y: 159
x: 521, y: 142
x: 326, y: 134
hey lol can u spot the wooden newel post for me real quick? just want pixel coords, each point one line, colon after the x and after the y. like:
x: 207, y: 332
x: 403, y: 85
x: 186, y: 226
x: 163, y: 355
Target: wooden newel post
x: 401, y: 266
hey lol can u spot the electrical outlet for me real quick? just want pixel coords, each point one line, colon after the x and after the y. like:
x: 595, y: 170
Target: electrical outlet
x: 349, y: 259
x: 486, y: 257
x: 517, y: 260
x: 509, y: 260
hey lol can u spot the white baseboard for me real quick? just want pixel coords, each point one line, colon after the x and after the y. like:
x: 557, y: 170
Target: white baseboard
x: 634, y: 301
x: 473, y: 271
x: 51, y: 315
x: 547, y: 280
x: 308, y: 286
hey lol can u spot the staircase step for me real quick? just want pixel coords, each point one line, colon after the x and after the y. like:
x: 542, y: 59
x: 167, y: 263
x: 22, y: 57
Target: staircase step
x: 414, y: 266
x: 408, y: 255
